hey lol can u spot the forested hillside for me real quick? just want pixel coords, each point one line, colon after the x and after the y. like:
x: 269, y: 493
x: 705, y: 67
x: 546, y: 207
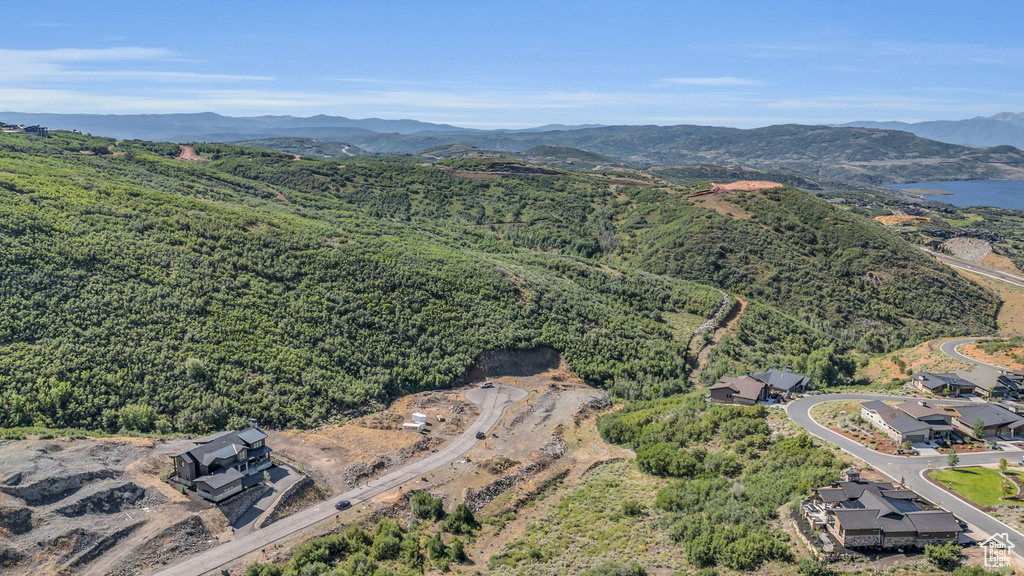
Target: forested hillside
x: 143, y: 290
x: 142, y: 279
x: 841, y: 273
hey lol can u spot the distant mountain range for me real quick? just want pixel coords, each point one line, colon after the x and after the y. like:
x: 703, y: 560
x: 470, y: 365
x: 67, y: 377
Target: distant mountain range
x: 855, y: 154
x: 1000, y: 129
x: 198, y: 127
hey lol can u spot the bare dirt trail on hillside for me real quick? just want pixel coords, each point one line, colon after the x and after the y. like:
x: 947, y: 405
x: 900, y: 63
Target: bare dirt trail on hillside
x: 728, y: 326
x: 188, y: 153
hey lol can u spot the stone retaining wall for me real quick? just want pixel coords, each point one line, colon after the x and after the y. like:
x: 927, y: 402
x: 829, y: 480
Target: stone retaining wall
x: 234, y: 507
x: 273, y: 514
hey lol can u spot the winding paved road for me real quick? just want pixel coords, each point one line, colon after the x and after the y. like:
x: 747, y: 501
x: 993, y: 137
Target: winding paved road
x: 976, y: 269
x: 493, y: 403
x: 910, y: 469
x: 950, y: 349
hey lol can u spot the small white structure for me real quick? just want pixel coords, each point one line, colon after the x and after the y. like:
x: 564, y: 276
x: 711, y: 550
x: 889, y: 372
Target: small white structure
x: 419, y: 418
x: 417, y: 426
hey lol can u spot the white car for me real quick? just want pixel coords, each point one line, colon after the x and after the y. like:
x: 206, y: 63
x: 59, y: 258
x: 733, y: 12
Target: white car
x: 487, y: 384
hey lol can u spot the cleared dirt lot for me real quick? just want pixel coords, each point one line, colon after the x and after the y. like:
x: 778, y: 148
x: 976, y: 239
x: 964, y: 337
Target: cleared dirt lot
x: 340, y: 456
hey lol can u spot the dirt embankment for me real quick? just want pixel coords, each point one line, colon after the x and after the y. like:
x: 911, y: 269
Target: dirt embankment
x: 926, y: 357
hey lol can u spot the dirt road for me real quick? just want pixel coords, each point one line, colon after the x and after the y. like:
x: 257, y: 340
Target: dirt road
x: 186, y: 152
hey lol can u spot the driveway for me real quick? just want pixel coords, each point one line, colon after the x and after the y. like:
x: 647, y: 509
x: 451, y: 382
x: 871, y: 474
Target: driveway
x: 492, y: 402
x: 909, y: 469
x: 281, y: 478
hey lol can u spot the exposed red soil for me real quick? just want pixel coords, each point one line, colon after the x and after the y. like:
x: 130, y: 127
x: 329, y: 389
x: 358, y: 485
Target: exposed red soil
x: 189, y: 153
x: 745, y: 185
x: 1000, y: 358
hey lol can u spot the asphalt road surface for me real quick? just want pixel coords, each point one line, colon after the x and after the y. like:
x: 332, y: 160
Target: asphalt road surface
x: 910, y: 469
x: 950, y: 349
x: 492, y: 402
x: 977, y: 269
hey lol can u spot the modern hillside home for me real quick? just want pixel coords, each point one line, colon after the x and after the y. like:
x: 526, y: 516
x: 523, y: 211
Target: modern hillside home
x: 992, y: 382
x: 997, y: 421
x: 860, y: 513
x: 915, y: 421
x: 784, y: 382
x: 950, y: 385
x: 223, y: 464
x: 743, y: 390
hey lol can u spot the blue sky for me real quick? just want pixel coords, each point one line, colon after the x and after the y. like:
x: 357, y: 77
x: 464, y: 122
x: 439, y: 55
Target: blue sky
x: 517, y: 64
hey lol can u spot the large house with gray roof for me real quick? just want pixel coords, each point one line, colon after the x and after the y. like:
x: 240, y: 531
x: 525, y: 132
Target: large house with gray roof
x: 993, y: 382
x: 951, y: 385
x: 749, y: 390
x: 996, y: 420
x: 784, y: 382
x: 915, y: 420
x: 223, y: 464
x: 861, y: 513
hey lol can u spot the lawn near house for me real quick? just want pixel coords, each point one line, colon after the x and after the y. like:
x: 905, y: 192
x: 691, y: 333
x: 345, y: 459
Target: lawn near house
x: 979, y: 485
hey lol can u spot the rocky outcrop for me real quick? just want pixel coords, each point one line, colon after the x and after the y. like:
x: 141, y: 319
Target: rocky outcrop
x: 103, y: 544
x: 105, y: 501
x: 15, y: 520
x: 188, y: 537
x: 54, y: 488
x: 478, y: 499
x: 970, y: 249
x: 496, y: 363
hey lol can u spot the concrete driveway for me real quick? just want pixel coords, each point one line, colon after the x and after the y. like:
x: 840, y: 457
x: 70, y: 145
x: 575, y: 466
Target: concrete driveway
x: 493, y: 402
x: 281, y: 478
x: 910, y: 469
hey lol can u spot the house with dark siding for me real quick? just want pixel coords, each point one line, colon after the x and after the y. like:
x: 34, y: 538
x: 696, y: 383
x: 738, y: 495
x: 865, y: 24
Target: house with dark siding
x: 861, y: 513
x: 223, y: 464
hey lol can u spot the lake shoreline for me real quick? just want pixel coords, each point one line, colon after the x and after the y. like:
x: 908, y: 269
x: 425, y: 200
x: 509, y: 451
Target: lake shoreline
x: 1008, y: 194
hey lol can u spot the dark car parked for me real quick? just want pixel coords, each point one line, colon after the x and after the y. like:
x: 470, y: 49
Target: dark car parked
x: 342, y: 504
x: 480, y: 436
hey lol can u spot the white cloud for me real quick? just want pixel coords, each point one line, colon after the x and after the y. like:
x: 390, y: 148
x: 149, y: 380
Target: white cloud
x: 713, y: 81
x: 64, y: 64
x: 64, y: 55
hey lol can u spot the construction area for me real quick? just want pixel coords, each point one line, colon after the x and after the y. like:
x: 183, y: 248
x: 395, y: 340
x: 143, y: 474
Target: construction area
x: 101, y: 506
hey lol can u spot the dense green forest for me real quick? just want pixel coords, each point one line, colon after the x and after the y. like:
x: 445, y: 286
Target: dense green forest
x: 143, y: 291
x: 730, y: 475
x: 137, y: 283
x: 836, y: 271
